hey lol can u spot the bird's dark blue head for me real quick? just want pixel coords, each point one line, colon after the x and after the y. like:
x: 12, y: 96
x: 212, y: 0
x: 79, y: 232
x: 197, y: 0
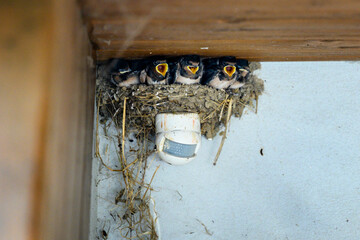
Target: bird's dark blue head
x: 241, y: 63
x: 243, y: 69
x: 118, y: 66
x: 123, y: 67
x: 118, y: 69
x: 227, y: 67
x: 191, y: 66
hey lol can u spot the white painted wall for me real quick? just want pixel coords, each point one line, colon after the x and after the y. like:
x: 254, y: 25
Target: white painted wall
x: 307, y: 184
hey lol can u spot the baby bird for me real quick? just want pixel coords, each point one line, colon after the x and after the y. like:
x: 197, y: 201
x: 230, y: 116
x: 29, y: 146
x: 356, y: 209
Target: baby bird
x: 125, y: 73
x: 189, y: 70
x: 243, y: 69
x: 220, y: 73
x: 155, y: 72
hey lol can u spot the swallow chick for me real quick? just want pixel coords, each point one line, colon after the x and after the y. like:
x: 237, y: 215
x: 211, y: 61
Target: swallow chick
x: 189, y: 70
x: 243, y: 69
x: 125, y: 73
x: 220, y: 73
x: 156, y: 72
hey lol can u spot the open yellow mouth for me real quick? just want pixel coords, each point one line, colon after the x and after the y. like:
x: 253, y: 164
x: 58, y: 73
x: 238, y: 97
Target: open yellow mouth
x: 162, y: 68
x: 193, y: 69
x: 229, y: 70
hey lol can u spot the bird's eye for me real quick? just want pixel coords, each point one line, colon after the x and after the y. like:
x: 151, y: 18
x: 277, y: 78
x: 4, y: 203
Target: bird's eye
x: 229, y: 70
x: 193, y: 69
x: 162, y: 68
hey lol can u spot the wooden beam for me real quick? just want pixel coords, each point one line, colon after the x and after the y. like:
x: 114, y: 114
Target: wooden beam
x: 262, y: 30
x: 66, y: 170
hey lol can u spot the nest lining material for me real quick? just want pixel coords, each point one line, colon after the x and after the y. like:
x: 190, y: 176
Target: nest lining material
x: 145, y: 102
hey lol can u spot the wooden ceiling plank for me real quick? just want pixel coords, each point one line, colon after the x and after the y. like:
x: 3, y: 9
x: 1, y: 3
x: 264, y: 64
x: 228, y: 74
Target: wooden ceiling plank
x: 269, y: 29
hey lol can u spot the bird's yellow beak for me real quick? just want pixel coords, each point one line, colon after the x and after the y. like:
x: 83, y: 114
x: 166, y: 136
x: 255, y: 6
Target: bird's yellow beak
x: 162, y: 68
x: 193, y: 69
x: 229, y: 70
x: 244, y: 72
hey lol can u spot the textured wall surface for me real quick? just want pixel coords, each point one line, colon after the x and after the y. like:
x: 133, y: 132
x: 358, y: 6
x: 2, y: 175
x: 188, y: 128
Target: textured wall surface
x: 307, y: 183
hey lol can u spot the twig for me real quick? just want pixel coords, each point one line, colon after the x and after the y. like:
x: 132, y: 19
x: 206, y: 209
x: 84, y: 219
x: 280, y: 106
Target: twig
x: 217, y: 108
x: 123, y: 132
x: 125, y: 172
x: 206, y: 229
x: 222, y: 109
x: 109, y: 168
x: 225, y: 133
x: 150, y: 182
x: 97, y: 151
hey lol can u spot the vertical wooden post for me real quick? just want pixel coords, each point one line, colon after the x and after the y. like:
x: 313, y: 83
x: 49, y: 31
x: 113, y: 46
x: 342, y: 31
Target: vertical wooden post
x: 46, y: 99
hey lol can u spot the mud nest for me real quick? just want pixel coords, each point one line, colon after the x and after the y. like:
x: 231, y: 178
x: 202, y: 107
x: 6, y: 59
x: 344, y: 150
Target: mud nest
x: 145, y: 102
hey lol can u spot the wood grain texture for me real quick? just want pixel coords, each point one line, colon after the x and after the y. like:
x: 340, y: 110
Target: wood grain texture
x: 262, y: 30
x: 46, y: 120
x: 66, y: 175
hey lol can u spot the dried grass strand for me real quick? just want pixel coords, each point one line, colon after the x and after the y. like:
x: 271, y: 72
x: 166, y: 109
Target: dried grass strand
x: 152, y: 178
x: 225, y: 132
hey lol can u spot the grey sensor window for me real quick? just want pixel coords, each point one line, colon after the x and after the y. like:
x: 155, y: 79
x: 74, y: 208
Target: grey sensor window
x: 179, y: 149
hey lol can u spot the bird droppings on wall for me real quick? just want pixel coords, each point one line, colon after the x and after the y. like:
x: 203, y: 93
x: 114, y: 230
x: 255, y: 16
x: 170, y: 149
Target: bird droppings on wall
x: 130, y: 93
